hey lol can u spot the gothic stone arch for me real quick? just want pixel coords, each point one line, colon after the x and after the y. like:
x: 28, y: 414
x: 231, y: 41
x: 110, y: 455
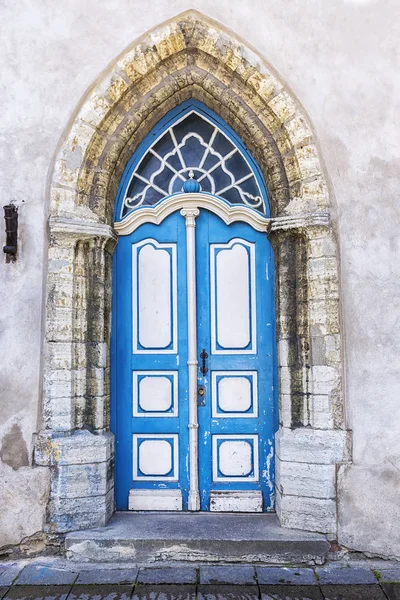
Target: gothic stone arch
x: 189, y: 57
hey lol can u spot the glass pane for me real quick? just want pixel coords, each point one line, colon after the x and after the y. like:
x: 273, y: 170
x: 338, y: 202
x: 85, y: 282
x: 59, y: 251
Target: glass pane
x: 232, y: 196
x: 237, y: 165
x: 192, y: 152
x: 148, y: 166
x: 222, y: 144
x: 193, y: 123
x: 164, y: 145
x: 252, y: 193
x: 222, y: 179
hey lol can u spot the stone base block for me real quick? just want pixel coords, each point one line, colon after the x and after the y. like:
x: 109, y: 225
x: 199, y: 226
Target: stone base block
x: 78, y: 448
x: 82, y: 478
x: 155, y: 500
x: 302, y: 479
x: 313, y: 446
x: 309, y: 514
x: 72, y: 514
x: 234, y: 501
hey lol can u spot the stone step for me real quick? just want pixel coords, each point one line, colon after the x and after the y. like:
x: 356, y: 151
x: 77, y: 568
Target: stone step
x: 201, y: 538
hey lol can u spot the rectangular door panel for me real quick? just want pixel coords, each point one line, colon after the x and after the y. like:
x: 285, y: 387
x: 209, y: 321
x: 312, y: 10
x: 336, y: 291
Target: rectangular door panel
x: 154, y: 297
x: 232, y: 289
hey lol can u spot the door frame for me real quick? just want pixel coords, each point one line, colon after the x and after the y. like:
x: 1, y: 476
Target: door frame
x: 74, y: 418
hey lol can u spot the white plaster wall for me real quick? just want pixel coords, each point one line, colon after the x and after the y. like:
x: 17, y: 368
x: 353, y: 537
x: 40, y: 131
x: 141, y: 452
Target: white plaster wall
x: 341, y: 60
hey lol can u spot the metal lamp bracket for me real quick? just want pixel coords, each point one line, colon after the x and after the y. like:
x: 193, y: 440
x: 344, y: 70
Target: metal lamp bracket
x: 11, y: 221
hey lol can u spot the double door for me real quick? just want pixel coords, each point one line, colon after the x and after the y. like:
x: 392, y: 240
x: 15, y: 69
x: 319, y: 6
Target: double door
x: 193, y: 366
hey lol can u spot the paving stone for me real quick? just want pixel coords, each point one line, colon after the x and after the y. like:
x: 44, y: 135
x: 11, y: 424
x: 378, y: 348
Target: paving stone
x: 353, y: 592
x: 275, y: 576
x: 37, y: 592
x: 228, y: 592
x: 97, y: 592
x: 392, y: 590
x: 389, y: 575
x: 238, y: 575
x: 345, y: 575
x: 290, y: 592
x: 3, y: 591
x: 169, y: 575
x: 44, y: 575
x: 11, y: 572
x: 164, y: 592
x: 105, y: 576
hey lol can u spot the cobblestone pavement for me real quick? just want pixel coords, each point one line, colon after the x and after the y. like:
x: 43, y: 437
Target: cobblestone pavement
x: 57, y: 579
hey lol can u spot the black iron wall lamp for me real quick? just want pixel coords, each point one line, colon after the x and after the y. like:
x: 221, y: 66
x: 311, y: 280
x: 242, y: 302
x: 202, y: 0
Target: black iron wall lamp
x: 11, y: 220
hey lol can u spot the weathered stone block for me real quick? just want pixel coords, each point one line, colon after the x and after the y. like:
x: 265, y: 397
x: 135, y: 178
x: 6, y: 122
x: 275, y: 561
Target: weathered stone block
x: 283, y: 106
x: 80, y: 448
x: 58, y: 413
x: 324, y: 379
x: 69, y: 514
x: 58, y: 355
x: 301, y: 479
x: 285, y: 379
x: 308, y: 160
x: 321, y: 412
x: 285, y: 358
x: 324, y: 316
x: 321, y: 268
x: 285, y: 410
x: 59, y: 323
x: 311, y: 514
x: 59, y: 384
x: 321, y: 247
x: 78, y: 481
x: 313, y: 445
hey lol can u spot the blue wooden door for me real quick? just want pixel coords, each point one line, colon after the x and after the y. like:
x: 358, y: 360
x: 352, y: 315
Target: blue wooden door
x: 236, y: 341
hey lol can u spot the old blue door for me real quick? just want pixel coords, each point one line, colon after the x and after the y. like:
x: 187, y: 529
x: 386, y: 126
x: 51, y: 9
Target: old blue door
x: 193, y: 328
x: 235, y: 333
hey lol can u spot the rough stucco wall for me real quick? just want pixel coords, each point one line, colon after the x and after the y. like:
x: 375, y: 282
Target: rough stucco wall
x: 341, y: 61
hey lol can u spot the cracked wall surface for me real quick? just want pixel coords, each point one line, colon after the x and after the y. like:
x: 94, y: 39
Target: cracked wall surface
x: 322, y: 55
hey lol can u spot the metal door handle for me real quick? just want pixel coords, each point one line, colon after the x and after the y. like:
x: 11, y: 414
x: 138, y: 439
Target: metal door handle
x: 203, y: 356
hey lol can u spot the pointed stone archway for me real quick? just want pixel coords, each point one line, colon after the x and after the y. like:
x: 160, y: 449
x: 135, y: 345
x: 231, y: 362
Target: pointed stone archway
x: 189, y: 57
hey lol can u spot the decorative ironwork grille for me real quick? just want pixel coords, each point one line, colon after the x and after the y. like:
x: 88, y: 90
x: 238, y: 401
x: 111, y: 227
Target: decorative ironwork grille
x: 193, y: 148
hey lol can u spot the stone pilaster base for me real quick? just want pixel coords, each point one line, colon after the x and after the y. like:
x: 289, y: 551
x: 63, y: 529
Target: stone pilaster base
x: 306, y: 463
x: 82, y: 478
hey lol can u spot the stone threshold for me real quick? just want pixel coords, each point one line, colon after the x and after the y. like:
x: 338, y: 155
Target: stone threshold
x: 201, y: 538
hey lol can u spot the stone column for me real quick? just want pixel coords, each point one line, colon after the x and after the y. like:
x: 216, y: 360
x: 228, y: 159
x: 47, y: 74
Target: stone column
x: 75, y: 441
x: 311, y: 441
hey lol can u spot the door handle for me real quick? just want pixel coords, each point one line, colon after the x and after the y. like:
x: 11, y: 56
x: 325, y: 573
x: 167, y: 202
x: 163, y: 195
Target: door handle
x: 203, y: 356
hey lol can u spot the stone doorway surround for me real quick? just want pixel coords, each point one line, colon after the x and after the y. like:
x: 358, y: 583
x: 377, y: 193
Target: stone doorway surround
x: 189, y: 57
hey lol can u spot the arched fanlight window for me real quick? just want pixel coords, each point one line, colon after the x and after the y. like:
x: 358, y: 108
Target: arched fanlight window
x: 191, y: 150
